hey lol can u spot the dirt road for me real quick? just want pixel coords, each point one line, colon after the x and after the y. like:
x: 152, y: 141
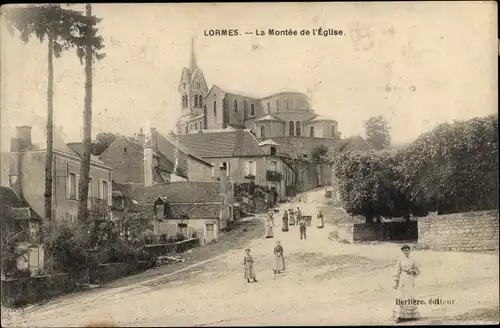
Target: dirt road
x: 326, y: 283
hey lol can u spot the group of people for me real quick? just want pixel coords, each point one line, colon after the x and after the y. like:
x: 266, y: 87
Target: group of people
x: 278, y: 263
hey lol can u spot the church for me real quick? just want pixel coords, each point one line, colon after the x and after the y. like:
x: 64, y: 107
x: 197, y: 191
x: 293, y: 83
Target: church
x: 284, y: 114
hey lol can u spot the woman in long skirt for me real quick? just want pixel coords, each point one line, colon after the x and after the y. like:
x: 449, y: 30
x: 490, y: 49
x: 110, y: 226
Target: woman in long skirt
x: 404, y: 282
x: 248, y: 263
x: 320, y: 220
x: 269, y: 230
x: 279, y: 260
x: 284, y: 226
x: 292, y: 217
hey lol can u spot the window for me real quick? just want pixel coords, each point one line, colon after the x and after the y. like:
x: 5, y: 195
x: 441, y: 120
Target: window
x: 184, y: 101
x: 250, y: 168
x: 91, y: 188
x: 273, y: 151
x: 196, y: 126
x: 311, y: 132
x: 210, y: 227
x: 226, y: 167
x: 196, y: 100
x: 215, y: 109
x: 297, y: 128
x: 286, y: 103
x: 273, y: 166
x: 262, y: 131
x: 252, y: 109
x: 277, y: 105
x: 333, y: 130
x: 235, y: 105
x: 124, y: 150
x: 71, y: 185
x: 291, y: 128
x: 200, y: 101
x: 105, y: 191
x: 268, y: 107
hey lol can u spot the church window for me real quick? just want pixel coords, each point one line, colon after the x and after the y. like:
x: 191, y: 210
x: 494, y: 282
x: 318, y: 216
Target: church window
x: 184, y: 85
x: 286, y: 103
x: 297, y: 128
x: 291, y: 128
x: 200, y: 101
x: 277, y: 105
x: 262, y: 131
x: 245, y: 109
x: 333, y: 130
x: 196, y: 126
x: 311, y: 132
x: 268, y: 107
x: 252, y: 109
x: 215, y: 109
x: 235, y: 105
x: 196, y: 100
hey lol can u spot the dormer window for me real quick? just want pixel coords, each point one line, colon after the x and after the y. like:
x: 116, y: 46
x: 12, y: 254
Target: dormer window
x: 273, y: 151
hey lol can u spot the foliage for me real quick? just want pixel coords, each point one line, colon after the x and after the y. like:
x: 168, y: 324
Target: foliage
x: 65, y: 245
x: 135, y: 226
x: 319, y: 154
x: 66, y: 27
x: 12, y: 236
x: 453, y: 168
x: 273, y: 176
x: 102, y: 142
x: 378, y: 132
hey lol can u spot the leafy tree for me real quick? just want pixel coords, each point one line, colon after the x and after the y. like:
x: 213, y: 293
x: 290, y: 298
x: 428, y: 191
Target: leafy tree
x: 11, y: 236
x: 378, y: 132
x: 63, y: 29
x: 103, y: 141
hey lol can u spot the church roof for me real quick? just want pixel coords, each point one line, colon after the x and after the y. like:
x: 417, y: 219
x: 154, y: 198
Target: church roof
x: 222, y: 144
x: 322, y: 118
x: 269, y: 117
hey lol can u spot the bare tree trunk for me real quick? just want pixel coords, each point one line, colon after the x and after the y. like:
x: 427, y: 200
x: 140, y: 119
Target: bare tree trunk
x: 50, y: 131
x: 87, y: 129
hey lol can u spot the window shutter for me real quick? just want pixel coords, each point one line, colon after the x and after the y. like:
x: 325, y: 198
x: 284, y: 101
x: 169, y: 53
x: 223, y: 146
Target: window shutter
x: 77, y: 184
x: 101, y: 190
x: 109, y: 193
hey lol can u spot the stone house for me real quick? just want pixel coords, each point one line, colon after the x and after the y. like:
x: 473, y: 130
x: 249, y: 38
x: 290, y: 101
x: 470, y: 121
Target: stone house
x: 244, y: 158
x: 26, y: 222
x: 23, y: 170
x: 187, y: 207
x: 153, y: 163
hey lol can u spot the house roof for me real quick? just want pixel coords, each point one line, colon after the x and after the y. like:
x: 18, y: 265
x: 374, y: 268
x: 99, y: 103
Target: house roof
x: 207, y: 210
x: 355, y: 143
x: 179, y: 192
x: 19, y: 208
x: 268, y: 142
x: 77, y: 147
x: 269, y: 117
x: 223, y: 144
x: 296, y: 147
x: 174, y: 140
x: 124, y: 192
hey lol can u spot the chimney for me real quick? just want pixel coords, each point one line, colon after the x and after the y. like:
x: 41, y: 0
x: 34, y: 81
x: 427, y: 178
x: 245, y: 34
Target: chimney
x: 223, y: 180
x: 141, y: 137
x: 24, y: 134
x: 153, y: 138
x: 148, y: 159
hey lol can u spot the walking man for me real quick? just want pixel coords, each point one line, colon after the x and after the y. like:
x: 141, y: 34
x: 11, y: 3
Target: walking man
x: 302, y: 227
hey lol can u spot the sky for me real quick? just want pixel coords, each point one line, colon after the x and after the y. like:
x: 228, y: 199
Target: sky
x: 416, y: 63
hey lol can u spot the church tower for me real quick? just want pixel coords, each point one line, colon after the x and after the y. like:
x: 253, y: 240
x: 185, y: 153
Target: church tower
x: 192, y: 91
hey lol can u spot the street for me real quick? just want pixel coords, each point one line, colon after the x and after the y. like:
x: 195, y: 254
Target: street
x: 325, y: 283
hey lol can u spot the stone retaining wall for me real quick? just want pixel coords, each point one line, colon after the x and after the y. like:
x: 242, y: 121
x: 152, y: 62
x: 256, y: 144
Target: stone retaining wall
x: 474, y: 231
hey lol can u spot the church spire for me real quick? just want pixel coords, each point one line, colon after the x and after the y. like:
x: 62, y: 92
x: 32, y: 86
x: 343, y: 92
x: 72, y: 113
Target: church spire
x: 192, y: 60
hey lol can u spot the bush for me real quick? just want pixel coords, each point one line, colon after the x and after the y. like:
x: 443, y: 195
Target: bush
x: 194, y: 235
x: 179, y: 237
x: 123, y: 252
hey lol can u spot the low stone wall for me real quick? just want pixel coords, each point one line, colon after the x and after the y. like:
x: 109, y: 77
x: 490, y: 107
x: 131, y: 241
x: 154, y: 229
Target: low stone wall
x: 471, y: 232
x: 388, y: 231
x: 16, y: 292
x: 154, y: 251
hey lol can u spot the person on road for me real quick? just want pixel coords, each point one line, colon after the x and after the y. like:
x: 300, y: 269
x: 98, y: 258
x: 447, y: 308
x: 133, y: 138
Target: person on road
x: 302, y: 227
x: 298, y: 214
x: 404, y: 282
x: 279, y: 261
x: 284, y: 226
x: 292, y: 217
x: 269, y: 228
x: 320, y: 220
x: 248, y: 263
